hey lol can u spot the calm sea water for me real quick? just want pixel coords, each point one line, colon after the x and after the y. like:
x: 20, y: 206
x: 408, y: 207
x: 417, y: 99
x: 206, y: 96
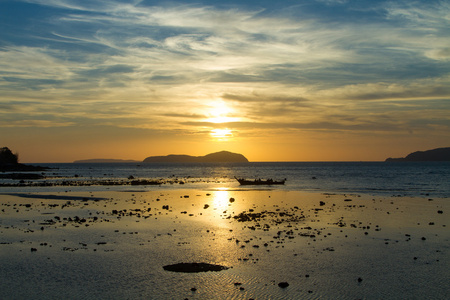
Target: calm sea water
x: 378, y: 178
x: 398, y: 250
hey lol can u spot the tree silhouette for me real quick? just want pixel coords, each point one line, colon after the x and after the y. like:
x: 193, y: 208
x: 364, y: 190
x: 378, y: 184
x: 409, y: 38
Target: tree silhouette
x: 7, y: 157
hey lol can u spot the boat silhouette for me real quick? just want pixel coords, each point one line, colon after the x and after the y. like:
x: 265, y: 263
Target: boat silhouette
x: 269, y: 181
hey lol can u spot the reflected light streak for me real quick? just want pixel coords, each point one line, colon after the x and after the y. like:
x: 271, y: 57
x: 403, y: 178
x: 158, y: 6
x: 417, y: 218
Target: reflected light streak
x: 221, y: 199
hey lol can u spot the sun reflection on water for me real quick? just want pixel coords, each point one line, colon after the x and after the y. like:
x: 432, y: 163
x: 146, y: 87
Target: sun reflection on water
x: 221, y: 199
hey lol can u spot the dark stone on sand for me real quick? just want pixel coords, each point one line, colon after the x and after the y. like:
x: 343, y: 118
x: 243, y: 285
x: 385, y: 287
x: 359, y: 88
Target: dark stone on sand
x: 246, y: 217
x: 145, y: 182
x: 359, y: 279
x: 283, y: 284
x: 194, y: 267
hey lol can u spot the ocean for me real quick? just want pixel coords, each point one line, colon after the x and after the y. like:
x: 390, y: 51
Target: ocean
x: 420, y: 179
x: 359, y: 230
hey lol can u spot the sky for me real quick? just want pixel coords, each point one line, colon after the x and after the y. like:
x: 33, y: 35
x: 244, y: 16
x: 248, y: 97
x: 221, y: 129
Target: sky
x: 304, y: 80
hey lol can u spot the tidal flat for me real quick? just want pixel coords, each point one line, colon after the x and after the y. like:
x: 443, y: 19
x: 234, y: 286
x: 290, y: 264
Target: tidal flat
x: 265, y: 244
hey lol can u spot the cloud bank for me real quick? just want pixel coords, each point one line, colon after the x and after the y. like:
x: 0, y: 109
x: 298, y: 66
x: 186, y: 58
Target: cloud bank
x: 318, y: 65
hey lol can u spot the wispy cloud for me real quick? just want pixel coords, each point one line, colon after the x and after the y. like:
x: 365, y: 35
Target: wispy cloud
x: 126, y: 61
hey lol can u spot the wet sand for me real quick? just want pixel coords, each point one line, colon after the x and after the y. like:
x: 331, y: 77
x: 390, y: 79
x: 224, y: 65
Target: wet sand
x: 269, y: 244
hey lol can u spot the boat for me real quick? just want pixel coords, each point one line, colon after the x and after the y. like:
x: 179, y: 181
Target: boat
x: 269, y: 181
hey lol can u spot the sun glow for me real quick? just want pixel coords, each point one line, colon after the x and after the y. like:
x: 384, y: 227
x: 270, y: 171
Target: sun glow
x: 221, y: 133
x: 221, y: 119
x: 220, y: 112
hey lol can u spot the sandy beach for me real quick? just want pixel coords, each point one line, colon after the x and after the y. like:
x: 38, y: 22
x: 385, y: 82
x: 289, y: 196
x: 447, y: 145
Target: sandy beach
x: 271, y: 244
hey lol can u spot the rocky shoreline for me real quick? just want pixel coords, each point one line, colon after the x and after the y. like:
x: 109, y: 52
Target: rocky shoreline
x: 67, y: 182
x: 264, y: 243
x: 21, y: 168
x: 41, y: 180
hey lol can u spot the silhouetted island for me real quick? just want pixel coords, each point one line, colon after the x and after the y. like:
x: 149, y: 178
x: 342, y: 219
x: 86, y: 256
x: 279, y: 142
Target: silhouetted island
x: 439, y: 154
x: 218, y: 157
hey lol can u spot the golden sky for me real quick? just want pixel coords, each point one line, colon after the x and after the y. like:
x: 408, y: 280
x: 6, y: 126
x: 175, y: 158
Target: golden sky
x: 324, y: 80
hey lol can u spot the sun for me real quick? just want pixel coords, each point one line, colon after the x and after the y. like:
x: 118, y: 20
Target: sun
x: 221, y: 115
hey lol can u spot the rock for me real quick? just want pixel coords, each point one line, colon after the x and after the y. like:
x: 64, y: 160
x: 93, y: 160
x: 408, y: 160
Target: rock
x: 283, y: 284
x: 194, y: 267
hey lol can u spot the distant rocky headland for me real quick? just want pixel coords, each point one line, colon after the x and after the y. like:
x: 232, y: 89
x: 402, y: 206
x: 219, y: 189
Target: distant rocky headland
x: 105, y: 160
x: 439, y: 154
x: 218, y: 157
x: 9, y: 162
